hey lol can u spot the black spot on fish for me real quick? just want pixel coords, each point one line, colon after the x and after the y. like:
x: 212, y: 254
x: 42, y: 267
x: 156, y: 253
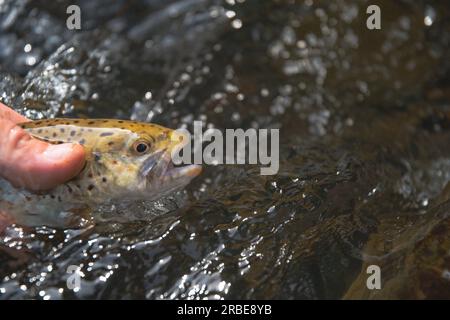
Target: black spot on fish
x: 52, y: 196
x: 110, y: 143
x: 91, y: 122
x: 62, y: 130
x: 120, y: 121
x: 39, y: 131
x: 90, y: 175
x: 70, y: 189
x: 106, y: 134
x: 97, y: 157
x: 72, y: 133
x: 82, y: 141
x: 90, y: 187
x: 54, y: 134
x: 59, y: 199
x: 104, y: 179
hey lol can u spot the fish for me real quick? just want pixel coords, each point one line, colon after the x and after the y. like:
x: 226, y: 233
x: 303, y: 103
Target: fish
x: 125, y: 160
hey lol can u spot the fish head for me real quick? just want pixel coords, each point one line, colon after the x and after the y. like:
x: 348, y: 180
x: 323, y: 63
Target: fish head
x: 138, y: 161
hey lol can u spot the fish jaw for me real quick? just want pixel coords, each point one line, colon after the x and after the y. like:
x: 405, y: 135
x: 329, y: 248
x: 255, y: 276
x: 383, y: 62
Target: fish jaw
x: 160, y: 176
x: 179, y: 140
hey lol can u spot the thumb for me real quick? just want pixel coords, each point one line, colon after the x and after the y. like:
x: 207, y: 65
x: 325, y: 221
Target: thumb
x: 33, y: 164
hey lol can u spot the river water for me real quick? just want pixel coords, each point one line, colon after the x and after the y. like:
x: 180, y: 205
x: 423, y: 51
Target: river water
x: 364, y: 119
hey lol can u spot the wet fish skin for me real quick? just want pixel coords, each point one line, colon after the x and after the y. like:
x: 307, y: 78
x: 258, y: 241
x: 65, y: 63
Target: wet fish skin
x: 124, y: 160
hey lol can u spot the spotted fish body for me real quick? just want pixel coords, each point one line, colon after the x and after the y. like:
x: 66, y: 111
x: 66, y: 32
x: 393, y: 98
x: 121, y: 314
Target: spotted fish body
x: 125, y: 160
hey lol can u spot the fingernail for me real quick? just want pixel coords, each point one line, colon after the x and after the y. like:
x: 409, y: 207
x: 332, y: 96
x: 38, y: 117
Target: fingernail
x: 56, y: 152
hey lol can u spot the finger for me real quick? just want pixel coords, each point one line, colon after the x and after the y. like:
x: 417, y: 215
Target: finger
x: 33, y: 164
x: 9, y: 114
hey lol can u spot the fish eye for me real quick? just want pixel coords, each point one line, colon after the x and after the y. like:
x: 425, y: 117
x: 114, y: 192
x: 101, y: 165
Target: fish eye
x: 141, y: 147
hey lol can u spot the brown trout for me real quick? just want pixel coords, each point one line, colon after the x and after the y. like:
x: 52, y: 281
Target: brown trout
x: 125, y: 160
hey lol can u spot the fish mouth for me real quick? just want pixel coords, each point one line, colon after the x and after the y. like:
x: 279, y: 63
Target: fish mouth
x: 159, y: 170
x: 175, y: 171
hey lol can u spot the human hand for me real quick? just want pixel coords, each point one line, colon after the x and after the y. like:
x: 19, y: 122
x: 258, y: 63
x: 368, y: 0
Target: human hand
x: 33, y: 164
